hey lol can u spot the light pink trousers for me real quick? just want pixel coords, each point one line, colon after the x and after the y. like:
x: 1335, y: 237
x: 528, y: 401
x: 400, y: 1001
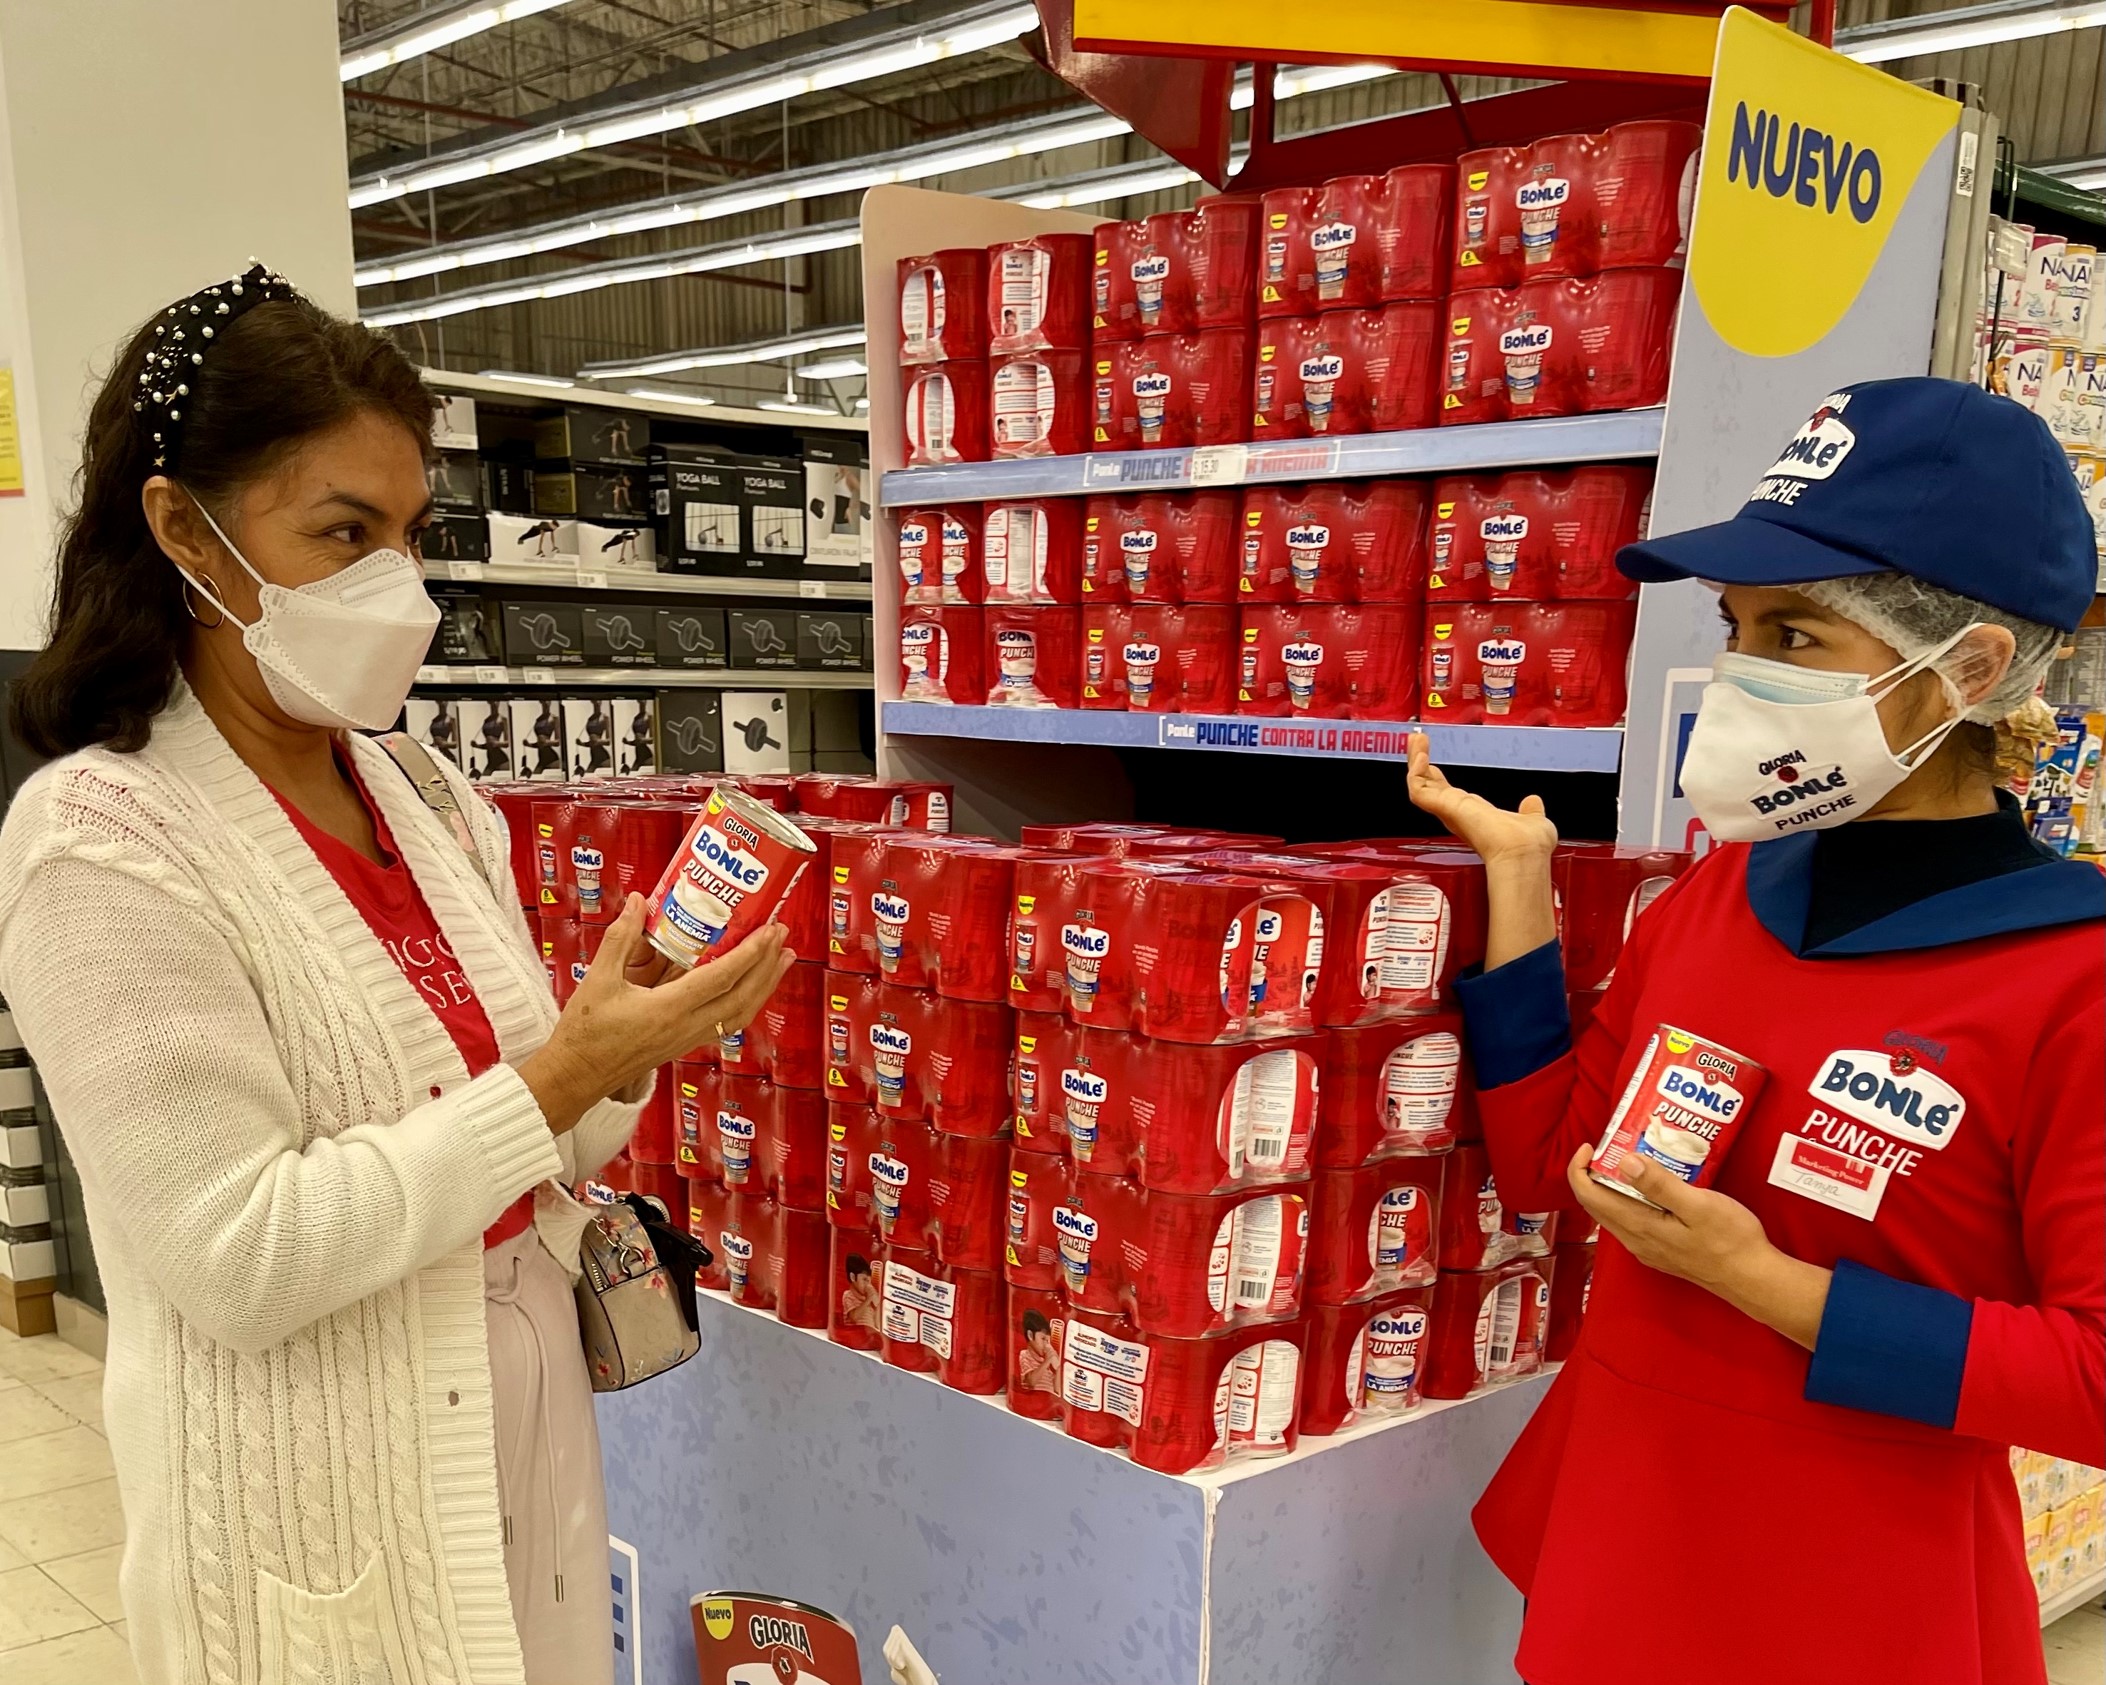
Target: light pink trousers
x: 548, y: 1468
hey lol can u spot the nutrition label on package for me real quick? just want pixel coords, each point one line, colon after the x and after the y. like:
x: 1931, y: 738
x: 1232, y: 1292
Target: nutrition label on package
x: 918, y: 1309
x: 1023, y: 403
x: 1257, y: 1130
x: 1418, y: 1084
x: 1499, y: 1327
x: 1023, y: 291
x: 1101, y: 1372
x: 921, y: 310
x: 1263, y: 1384
x: 1014, y: 553
x: 1244, y: 1268
x: 1418, y: 936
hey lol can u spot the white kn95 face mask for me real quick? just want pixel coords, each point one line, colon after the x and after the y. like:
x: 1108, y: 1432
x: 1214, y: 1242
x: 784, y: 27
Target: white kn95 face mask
x: 343, y: 651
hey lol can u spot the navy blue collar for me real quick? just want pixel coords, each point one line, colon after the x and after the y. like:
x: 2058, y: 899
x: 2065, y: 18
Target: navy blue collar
x: 1780, y: 887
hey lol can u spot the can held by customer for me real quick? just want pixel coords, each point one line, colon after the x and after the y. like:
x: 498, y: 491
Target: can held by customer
x: 740, y: 859
x: 1681, y: 1109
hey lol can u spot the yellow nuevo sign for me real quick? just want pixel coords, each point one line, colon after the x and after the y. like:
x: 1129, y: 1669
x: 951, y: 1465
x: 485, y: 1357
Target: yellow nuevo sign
x: 1589, y: 39
x: 1808, y: 158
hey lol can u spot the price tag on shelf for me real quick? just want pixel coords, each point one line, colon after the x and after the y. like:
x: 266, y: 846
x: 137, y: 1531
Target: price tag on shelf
x: 1219, y: 465
x: 811, y: 587
x: 489, y: 675
x: 464, y: 570
x: 592, y: 579
x: 540, y: 675
x: 431, y: 675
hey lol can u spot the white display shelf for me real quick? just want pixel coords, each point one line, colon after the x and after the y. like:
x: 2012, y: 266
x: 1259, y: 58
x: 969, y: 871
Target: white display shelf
x: 643, y: 678
x: 1553, y: 441
x: 2052, y: 1609
x: 637, y: 579
x: 1527, y: 748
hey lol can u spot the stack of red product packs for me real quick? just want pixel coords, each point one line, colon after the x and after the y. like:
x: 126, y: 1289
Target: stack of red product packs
x: 1527, y: 620
x: 1351, y: 278
x: 1567, y: 272
x: 1158, y: 588
x: 942, y: 319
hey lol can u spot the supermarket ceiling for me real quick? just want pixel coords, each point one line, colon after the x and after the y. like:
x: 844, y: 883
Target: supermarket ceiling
x: 538, y: 185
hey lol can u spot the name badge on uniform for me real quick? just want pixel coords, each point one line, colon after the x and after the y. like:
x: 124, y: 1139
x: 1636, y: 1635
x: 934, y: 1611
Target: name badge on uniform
x: 1822, y: 1174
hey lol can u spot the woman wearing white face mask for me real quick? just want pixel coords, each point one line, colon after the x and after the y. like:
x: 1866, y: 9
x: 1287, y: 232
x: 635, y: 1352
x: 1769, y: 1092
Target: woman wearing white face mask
x: 1780, y: 1450
x: 303, y: 1053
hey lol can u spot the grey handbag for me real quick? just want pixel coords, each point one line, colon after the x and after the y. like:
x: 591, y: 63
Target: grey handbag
x: 636, y: 1292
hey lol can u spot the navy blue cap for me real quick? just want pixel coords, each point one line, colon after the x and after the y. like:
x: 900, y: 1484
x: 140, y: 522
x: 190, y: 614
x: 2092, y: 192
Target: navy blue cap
x: 1936, y: 479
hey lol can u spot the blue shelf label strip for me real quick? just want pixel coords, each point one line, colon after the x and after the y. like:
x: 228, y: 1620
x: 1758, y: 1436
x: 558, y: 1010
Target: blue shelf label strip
x: 1536, y: 748
x: 1428, y: 450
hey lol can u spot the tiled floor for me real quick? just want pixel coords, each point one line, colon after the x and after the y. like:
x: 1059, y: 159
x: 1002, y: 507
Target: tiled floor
x: 60, y: 1532
x: 60, y: 1528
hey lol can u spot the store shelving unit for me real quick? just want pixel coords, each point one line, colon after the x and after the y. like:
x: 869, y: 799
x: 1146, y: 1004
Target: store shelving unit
x: 2052, y: 1609
x: 1619, y: 435
x: 567, y: 578
x: 1532, y: 748
x: 641, y: 678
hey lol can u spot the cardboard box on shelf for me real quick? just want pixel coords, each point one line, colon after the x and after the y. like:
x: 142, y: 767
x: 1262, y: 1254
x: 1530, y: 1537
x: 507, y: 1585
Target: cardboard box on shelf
x: 619, y: 549
x: 508, y: 484
x: 760, y: 639
x: 837, y: 528
x: 588, y: 736
x: 456, y: 537
x: 692, y: 637
x: 486, y: 737
x: 537, y: 736
x: 544, y: 634
x: 530, y: 538
x: 607, y: 492
x: 635, y: 735
x: 456, y: 480
x: 580, y: 433
x: 833, y: 640
x: 435, y: 722
x: 468, y: 628
x: 619, y: 634
x: 690, y: 731
x: 774, y: 497
x: 453, y: 425
x: 757, y: 731
x: 704, y: 516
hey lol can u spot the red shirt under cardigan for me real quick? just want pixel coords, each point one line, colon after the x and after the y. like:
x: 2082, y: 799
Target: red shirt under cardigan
x: 394, y: 909
x: 1698, y: 1501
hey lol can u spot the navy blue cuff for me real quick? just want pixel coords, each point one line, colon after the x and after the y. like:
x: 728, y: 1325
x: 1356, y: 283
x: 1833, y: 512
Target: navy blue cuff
x: 1890, y: 1346
x: 1516, y: 1017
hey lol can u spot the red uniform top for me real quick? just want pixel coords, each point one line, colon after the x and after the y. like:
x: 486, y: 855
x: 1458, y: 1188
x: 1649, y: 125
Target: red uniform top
x: 1699, y: 1501
x: 388, y: 899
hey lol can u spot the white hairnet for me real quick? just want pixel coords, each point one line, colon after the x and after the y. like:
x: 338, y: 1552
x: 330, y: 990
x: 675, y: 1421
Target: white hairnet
x: 1915, y: 618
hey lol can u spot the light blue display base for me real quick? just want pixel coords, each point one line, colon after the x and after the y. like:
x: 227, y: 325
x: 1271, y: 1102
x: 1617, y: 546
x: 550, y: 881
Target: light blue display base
x: 1013, y: 1555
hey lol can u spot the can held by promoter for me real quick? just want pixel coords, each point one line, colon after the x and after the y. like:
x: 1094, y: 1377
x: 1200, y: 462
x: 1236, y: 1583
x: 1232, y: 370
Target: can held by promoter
x: 740, y: 859
x: 1681, y: 1109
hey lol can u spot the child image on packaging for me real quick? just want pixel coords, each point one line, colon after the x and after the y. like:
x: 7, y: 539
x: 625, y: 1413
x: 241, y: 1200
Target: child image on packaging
x: 1038, y: 1364
x: 861, y: 1302
x: 548, y: 739
x: 494, y: 739
x: 596, y: 747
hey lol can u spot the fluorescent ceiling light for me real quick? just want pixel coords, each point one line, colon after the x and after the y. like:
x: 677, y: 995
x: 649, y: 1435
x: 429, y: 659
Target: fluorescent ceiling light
x: 912, y: 163
x: 1102, y: 186
x: 731, y: 255
x: 1306, y: 79
x: 878, y: 53
x: 427, y: 31
x: 700, y: 400
x: 726, y: 356
x: 834, y: 368
x: 1966, y: 26
x: 787, y: 407
x: 862, y: 403
x: 526, y: 379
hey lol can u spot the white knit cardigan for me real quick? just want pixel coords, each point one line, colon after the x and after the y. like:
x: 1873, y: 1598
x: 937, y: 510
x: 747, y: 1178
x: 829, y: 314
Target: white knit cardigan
x: 287, y: 1173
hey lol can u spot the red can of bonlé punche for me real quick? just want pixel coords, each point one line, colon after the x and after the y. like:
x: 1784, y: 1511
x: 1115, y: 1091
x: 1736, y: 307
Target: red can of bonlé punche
x: 740, y: 859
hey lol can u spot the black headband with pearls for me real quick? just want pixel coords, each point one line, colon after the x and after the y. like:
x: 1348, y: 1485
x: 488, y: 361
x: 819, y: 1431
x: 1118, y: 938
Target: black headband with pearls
x: 182, y: 337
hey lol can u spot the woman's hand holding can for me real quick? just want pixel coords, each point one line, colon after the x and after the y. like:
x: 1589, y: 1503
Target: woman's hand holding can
x: 629, y: 1016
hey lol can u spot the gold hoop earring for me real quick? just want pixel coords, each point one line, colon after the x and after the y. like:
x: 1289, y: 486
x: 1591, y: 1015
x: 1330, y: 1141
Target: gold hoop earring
x: 184, y: 590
